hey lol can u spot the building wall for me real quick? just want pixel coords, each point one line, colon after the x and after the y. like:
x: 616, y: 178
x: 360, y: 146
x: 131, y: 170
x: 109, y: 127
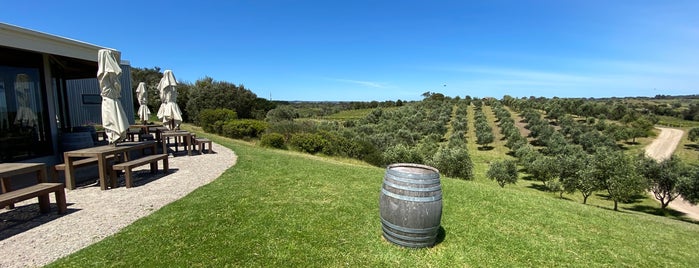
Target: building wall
x: 81, y: 92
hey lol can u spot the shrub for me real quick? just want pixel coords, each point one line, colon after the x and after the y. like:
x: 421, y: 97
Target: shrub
x: 453, y: 162
x: 503, y: 172
x: 273, y: 140
x: 243, y: 128
x: 282, y: 113
x: 307, y: 142
x: 337, y: 145
x: 402, y: 154
x: 287, y: 128
x: 212, y: 120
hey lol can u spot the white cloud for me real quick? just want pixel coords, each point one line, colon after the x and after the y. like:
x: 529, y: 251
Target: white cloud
x: 370, y: 84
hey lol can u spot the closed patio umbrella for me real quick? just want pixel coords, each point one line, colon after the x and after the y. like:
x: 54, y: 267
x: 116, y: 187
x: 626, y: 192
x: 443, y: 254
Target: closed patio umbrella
x: 142, y: 95
x: 169, y: 112
x: 114, y: 118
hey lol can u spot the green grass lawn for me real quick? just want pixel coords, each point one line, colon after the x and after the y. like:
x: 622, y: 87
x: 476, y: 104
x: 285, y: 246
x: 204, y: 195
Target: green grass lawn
x: 283, y: 209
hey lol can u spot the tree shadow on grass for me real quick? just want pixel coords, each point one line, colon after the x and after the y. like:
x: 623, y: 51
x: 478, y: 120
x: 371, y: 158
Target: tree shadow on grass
x: 485, y: 148
x: 526, y: 177
x: 667, y: 212
x: 694, y: 147
x: 564, y: 198
x: 601, y: 195
x: 539, y: 187
x: 611, y: 209
x: 634, y: 199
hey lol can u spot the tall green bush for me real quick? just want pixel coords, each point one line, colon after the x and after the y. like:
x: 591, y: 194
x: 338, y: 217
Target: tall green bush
x: 273, y: 140
x: 307, y: 142
x: 212, y: 120
x: 244, y: 128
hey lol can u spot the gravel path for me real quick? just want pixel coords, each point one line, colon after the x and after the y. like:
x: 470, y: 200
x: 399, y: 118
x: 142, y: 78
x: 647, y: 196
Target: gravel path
x: 665, y: 144
x: 30, y: 239
x: 662, y: 148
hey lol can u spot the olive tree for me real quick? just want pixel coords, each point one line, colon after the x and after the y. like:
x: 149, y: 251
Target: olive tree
x: 693, y: 134
x: 545, y: 169
x: 454, y: 162
x: 617, y: 174
x: 503, y: 172
x: 664, y: 177
x: 689, y: 188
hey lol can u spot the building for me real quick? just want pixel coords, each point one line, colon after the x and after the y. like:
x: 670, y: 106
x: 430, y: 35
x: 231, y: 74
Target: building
x: 48, y: 87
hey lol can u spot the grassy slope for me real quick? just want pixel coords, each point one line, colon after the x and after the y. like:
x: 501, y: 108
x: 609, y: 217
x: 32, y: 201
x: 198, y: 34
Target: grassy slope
x: 276, y: 208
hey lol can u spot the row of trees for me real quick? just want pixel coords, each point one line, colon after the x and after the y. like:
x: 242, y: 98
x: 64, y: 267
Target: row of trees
x: 612, y: 109
x: 484, y: 133
x: 581, y: 158
x: 567, y: 154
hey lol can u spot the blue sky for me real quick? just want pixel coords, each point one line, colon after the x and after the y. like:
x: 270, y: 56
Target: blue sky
x: 388, y: 50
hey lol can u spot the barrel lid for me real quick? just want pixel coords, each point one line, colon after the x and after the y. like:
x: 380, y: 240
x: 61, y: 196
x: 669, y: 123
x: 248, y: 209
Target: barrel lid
x: 413, y: 170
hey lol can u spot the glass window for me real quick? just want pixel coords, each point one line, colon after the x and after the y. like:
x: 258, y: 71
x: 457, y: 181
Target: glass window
x: 24, y: 132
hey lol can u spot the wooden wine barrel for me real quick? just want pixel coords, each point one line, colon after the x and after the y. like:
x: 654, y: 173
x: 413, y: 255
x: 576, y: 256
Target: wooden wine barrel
x: 410, y: 205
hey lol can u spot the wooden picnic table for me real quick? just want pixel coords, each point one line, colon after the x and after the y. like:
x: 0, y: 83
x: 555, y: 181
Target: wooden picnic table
x: 145, y: 129
x: 101, y: 153
x: 186, y: 135
x: 158, y: 130
x: 8, y: 170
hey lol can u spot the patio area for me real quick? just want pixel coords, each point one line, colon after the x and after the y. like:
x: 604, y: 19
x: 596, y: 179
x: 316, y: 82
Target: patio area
x: 29, y: 239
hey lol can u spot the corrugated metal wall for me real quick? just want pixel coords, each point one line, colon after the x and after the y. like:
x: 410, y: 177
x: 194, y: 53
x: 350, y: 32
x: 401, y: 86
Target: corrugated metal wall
x: 82, y: 114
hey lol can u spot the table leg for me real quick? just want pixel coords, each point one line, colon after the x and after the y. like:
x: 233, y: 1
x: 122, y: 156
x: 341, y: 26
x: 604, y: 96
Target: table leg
x: 177, y: 144
x: 41, y: 175
x: 102, y: 166
x: 110, y: 172
x: 70, y: 172
x: 6, y: 185
x: 164, y: 145
x: 188, y: 144
x: 44, y: 203
x: 6, y: 188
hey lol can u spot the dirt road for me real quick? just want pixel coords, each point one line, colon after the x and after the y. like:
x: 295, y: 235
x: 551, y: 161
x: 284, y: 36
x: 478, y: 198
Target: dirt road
x: 665, y: 144
x: 662, y: 148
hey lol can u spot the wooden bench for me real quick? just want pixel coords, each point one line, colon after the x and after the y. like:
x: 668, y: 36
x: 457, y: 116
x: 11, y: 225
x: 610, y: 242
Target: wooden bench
x: 201, y: 142
x: 78, y: 163
x: 150, y: 159
x: 41, y: 191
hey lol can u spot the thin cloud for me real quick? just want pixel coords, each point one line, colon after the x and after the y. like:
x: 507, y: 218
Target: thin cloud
x: 370, y: 84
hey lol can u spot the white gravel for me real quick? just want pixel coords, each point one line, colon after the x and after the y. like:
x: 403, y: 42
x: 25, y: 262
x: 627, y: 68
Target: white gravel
x: 31, y: 239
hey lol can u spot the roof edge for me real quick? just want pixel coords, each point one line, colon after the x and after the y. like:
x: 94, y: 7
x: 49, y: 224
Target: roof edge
x: 22, y: 38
